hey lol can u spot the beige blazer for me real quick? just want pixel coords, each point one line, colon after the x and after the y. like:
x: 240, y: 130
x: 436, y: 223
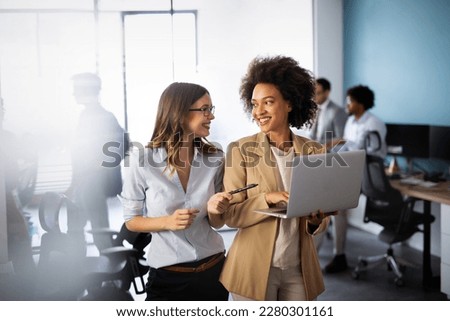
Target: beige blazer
x: 247, y: 265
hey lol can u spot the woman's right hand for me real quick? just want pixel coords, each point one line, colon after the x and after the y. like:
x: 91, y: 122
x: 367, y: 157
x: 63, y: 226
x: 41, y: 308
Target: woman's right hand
x: 181, y: 219
x: 219, y: 203
x: 274, y: 198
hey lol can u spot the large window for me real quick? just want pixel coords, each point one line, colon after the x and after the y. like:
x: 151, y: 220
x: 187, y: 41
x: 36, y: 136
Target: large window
x: 137, y: 47
x: 39, y: 52
x: 159, y: 48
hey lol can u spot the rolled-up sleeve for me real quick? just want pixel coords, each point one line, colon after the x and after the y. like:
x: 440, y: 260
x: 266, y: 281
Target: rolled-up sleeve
x: 133, y: 191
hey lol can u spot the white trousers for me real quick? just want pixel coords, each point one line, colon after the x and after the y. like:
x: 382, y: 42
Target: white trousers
x: 283, y: 285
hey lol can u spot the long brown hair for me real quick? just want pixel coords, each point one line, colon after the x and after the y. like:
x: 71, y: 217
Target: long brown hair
x: 173, y: 108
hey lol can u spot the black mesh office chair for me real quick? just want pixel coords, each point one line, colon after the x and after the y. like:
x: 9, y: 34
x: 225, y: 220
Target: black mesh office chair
x: 137, y: 266
x: 387, y: 207
x: 65, y: 272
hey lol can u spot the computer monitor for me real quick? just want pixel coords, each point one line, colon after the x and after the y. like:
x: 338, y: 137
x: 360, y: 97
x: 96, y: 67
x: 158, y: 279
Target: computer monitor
x: 408, y: 140
x: 440, y: 142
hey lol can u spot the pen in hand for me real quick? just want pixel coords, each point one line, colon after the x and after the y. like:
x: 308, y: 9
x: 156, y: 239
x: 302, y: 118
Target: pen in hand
x: 243, y: 189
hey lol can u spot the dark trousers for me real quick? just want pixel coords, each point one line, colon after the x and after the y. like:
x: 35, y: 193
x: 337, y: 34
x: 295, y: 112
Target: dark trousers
x: 166, y: 285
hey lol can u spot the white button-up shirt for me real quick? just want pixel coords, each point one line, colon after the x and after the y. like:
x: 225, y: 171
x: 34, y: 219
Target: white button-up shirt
x: 321, y: 120
x: 355, y: 131
x: 150, y: 190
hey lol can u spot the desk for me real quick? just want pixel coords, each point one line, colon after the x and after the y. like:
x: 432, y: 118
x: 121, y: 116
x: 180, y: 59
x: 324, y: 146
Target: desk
x: 439, y: 194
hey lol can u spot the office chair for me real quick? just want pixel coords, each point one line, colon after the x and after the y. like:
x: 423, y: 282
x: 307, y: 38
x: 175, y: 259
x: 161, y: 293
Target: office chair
x: 386, y: 207
x: 137, y: 266
x: 65, y: 272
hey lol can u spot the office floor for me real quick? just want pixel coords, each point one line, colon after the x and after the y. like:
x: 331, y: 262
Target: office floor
x: 374, y: 285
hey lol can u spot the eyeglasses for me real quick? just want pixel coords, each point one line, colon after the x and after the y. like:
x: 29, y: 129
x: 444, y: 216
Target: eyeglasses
x: 206, y: 110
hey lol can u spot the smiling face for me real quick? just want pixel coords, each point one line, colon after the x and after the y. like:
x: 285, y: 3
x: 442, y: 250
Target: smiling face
x: 270, y: 109
x: 197, y: 124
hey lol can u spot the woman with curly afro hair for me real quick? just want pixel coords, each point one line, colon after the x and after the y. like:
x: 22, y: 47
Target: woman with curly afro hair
x: 271, y: 258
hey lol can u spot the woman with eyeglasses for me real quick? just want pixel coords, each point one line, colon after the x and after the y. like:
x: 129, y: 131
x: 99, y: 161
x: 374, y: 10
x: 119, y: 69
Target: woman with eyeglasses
x: 166, y: 189
x: 271, y: 258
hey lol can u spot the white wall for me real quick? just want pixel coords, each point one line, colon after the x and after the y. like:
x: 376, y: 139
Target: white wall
x: 329, y: 44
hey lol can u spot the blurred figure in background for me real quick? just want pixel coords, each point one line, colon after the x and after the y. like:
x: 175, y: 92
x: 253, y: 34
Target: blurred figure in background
x: 97, y: 151
x: 330, y: 117
x: 12, y: 152
x: 360, y: 122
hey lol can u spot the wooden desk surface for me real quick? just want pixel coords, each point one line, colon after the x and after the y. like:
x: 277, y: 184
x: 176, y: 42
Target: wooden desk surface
x: 439, y: 193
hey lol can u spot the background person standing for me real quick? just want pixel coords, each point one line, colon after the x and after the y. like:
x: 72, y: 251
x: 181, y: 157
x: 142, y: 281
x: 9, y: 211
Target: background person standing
x: 330, y: 117
x: 93, y: 182
x: 361, y: 121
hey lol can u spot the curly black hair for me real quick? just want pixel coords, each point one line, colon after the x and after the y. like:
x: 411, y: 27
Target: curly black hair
x: 296, y: 85
x: 363, y: 95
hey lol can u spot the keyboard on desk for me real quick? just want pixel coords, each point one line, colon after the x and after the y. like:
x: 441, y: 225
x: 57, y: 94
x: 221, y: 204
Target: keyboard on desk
x: 414, y: 181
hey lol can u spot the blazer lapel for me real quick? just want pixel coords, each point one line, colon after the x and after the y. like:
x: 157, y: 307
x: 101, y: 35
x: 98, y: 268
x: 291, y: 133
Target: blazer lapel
x: 267, y: 165
x: 303, y: 146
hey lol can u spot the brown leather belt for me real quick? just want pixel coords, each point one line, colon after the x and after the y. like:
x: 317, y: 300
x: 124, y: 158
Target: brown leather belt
x: 202, y: 267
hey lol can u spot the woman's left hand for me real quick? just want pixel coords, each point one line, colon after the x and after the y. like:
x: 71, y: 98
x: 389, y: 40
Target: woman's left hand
x: 316, y: 218
x: 219, y: 203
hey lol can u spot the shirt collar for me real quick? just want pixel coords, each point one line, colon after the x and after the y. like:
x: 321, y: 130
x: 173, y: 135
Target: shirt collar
x: 160, y: 153
x: 324, y: 104
x: 363, y: 118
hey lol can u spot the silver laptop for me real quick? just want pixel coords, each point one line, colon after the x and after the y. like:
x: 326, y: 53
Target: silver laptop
x: 326, y: 182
